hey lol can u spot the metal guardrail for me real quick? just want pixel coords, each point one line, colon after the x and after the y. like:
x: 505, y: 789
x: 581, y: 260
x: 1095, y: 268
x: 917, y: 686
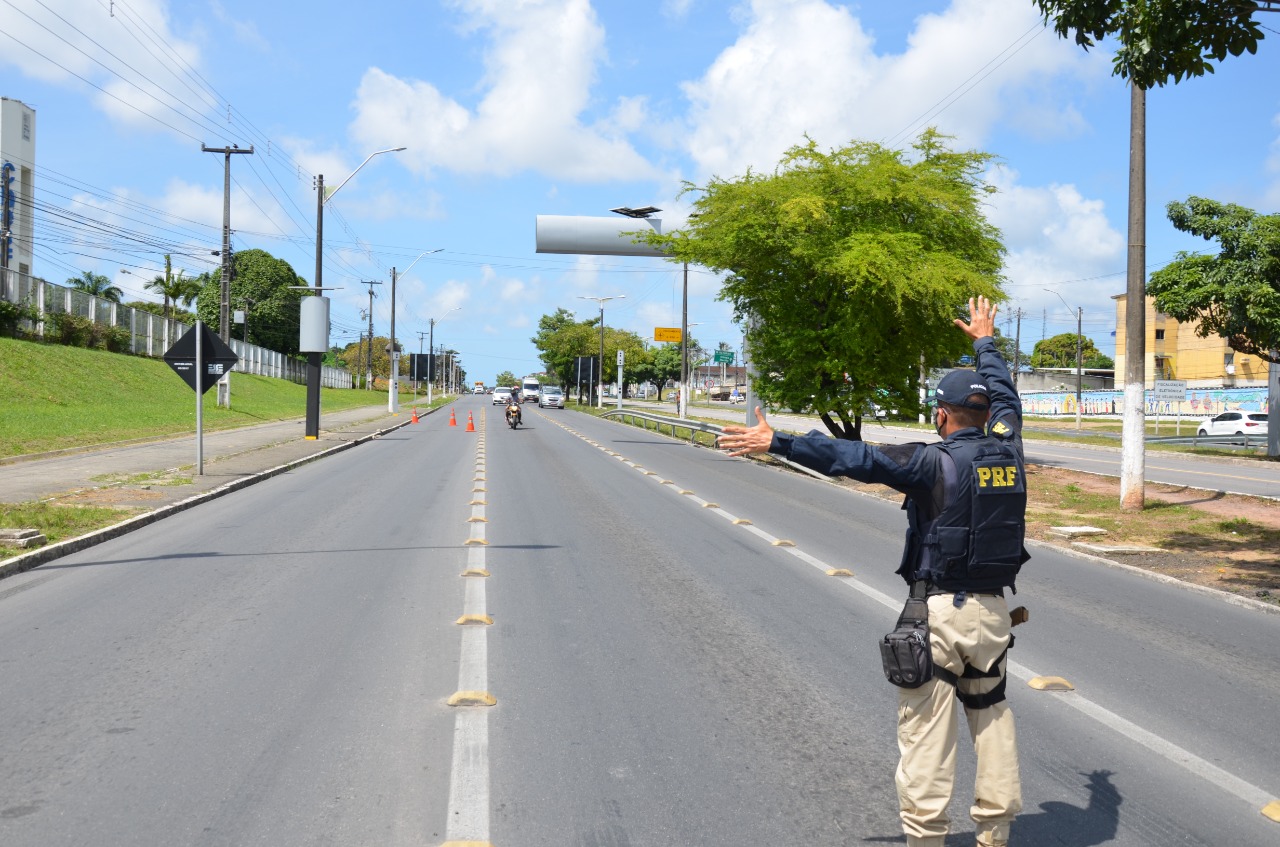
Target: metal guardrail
x: 662, y: 420
x: 1246, y: 441
x: 695, y: 427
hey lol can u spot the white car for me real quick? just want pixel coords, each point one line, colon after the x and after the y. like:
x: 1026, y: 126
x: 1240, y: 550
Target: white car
x: 501, y: 396
x: 1235, y: 423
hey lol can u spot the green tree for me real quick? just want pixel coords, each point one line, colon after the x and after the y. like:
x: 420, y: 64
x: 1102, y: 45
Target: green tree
x: 1235, y: 294
x: 853, y: 262
x: 1060, y: 352
x: 561, y: 339
x: 506, y: 379
x: 1158, y: 40
x: 96, y: 285
x: 157, y: 309
x: 174, y: 289
x: 259, y: 277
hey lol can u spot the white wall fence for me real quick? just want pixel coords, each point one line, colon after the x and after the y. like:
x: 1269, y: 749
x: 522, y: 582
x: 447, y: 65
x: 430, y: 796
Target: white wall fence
x: 149, y: 334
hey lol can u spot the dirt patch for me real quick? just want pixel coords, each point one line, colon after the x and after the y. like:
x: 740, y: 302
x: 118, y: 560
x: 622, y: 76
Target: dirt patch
x: 118, y: 497
x: 1223, y: 541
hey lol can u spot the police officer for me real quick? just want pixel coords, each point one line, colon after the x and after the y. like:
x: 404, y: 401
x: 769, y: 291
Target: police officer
x: 966, y: 516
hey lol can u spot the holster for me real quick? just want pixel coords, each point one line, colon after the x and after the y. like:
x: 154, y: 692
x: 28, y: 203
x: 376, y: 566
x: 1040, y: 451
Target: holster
x: 905, y: 652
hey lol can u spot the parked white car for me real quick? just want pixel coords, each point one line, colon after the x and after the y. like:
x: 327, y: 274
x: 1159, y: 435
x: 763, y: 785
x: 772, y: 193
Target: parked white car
x: 1235, y: 423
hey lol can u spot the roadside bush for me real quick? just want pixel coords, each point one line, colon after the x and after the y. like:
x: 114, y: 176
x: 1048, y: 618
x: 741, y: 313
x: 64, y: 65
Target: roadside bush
x: 117, y: 340
x: 71, y: 330
x: 13, y: 314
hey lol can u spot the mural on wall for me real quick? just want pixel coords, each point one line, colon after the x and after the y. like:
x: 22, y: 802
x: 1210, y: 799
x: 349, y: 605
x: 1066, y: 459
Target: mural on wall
x: 1200, y: 403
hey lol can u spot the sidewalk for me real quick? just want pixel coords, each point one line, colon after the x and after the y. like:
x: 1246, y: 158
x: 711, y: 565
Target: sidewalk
x: 144, y: 475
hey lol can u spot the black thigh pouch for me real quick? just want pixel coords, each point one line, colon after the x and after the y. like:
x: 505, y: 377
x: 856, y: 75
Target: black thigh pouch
x: 905, y: 652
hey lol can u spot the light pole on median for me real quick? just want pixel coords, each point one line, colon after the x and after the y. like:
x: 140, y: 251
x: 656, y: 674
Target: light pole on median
x: 315, y: 358
x: 601, y: 301
x: 393, y: 386
x: 1079, y: 350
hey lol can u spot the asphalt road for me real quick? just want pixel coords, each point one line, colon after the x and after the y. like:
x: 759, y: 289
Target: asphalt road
x: 274, y: 667
x: 1230, y: 476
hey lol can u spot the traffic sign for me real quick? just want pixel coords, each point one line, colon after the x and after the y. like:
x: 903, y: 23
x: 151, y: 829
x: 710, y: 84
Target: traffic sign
x: 217, y: 358
x: 667, y: 333
x: 1171, y: 390
x: 723, y: 357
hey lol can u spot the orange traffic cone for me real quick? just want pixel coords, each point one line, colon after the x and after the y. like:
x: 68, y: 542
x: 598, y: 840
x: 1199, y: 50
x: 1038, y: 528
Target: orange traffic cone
x: 453, y: 421
x: 471, y: 425
x: 415, y: 415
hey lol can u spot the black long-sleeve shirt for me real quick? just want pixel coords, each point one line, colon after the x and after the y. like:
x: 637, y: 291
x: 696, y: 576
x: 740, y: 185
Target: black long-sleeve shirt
x: 909, y: 468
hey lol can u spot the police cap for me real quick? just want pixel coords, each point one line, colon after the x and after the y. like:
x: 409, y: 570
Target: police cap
x: 958, y: 386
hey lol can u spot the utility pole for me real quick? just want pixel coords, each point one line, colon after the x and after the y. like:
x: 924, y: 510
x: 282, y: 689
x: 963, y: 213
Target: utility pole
x: 360, y: 349
x: 431, y: 363
x: 393, y: 387
x: 368, y: 375
x: 1017, y: 350
x: 417, y: 373
x: 224, y: 309
x: 1079, y: 361
x: 1133, y: 432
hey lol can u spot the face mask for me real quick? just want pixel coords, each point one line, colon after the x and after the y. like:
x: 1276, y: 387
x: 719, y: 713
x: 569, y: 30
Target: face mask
x: 937, y: 422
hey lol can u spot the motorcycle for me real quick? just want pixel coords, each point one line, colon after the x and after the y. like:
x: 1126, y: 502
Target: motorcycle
x: 513, y: 414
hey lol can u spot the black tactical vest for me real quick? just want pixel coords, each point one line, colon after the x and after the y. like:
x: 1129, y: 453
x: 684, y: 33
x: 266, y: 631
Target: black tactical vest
x: 975, y: 543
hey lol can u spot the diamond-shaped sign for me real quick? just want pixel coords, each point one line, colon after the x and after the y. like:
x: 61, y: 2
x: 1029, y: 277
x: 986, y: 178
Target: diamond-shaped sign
x: 217, y: 358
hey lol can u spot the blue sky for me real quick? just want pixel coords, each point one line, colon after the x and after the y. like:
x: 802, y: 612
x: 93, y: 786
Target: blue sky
x: 514, y: 108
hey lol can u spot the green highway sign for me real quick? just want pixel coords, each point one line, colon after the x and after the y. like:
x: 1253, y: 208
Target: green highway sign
x: 723, y: 357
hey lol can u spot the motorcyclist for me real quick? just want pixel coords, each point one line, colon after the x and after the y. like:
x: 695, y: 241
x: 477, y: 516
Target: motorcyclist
x: 513, y: 408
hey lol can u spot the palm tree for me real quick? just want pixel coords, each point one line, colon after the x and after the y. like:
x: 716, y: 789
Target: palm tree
x: 96, y: 285
x: 173, y: 288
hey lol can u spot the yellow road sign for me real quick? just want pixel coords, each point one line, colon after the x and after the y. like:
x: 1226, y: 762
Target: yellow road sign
x: 666, y: 333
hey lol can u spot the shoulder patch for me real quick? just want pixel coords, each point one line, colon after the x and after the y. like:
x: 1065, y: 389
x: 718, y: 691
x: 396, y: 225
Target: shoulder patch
x: 1001, y: 428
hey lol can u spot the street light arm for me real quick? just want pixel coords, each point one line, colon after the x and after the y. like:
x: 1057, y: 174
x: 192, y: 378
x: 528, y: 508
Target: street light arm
x: 330, y: 194
x: 405, y: 272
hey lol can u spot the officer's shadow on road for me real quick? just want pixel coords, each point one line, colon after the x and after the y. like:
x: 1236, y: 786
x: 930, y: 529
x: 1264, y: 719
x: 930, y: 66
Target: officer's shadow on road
x: 1059, y: 823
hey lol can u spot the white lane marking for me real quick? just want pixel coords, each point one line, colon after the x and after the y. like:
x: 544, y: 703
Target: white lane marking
x: 1228, y: 782
x: 469, y: 782
x: 468, y: 810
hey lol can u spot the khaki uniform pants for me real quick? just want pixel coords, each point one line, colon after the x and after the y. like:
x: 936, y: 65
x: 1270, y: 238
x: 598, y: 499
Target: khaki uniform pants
x: 977, y: 633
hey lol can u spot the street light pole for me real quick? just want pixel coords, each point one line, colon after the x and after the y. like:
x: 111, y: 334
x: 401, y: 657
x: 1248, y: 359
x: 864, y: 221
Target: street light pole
x: 314, y: 359
x: 601, y: 301
x: 393, y: 387
x: 682, y: 404
x: 431, y: 348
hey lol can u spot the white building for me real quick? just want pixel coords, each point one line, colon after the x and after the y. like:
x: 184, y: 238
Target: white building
x: 18, y: 162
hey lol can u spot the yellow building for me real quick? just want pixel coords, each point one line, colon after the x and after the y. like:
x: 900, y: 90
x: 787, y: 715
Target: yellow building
x: 1174, y: 351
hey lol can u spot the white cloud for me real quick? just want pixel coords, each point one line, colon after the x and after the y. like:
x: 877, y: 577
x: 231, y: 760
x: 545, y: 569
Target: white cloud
x: 525, y: 120
x: 246, y: 32
x: 1059, y: 240
x: 676, y: 8
x: 806, y: 66
x: 140, y: 85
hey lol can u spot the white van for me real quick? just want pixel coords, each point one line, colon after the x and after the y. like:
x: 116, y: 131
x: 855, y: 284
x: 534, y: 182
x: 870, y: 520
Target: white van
x: 529, y: 389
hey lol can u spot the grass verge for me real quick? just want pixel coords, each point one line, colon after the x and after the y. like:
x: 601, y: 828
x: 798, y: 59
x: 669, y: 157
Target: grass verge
x: 55, y: 397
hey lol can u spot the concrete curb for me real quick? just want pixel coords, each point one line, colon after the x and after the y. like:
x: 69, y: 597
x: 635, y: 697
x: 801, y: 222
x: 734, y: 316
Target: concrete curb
x: 28, y: 561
